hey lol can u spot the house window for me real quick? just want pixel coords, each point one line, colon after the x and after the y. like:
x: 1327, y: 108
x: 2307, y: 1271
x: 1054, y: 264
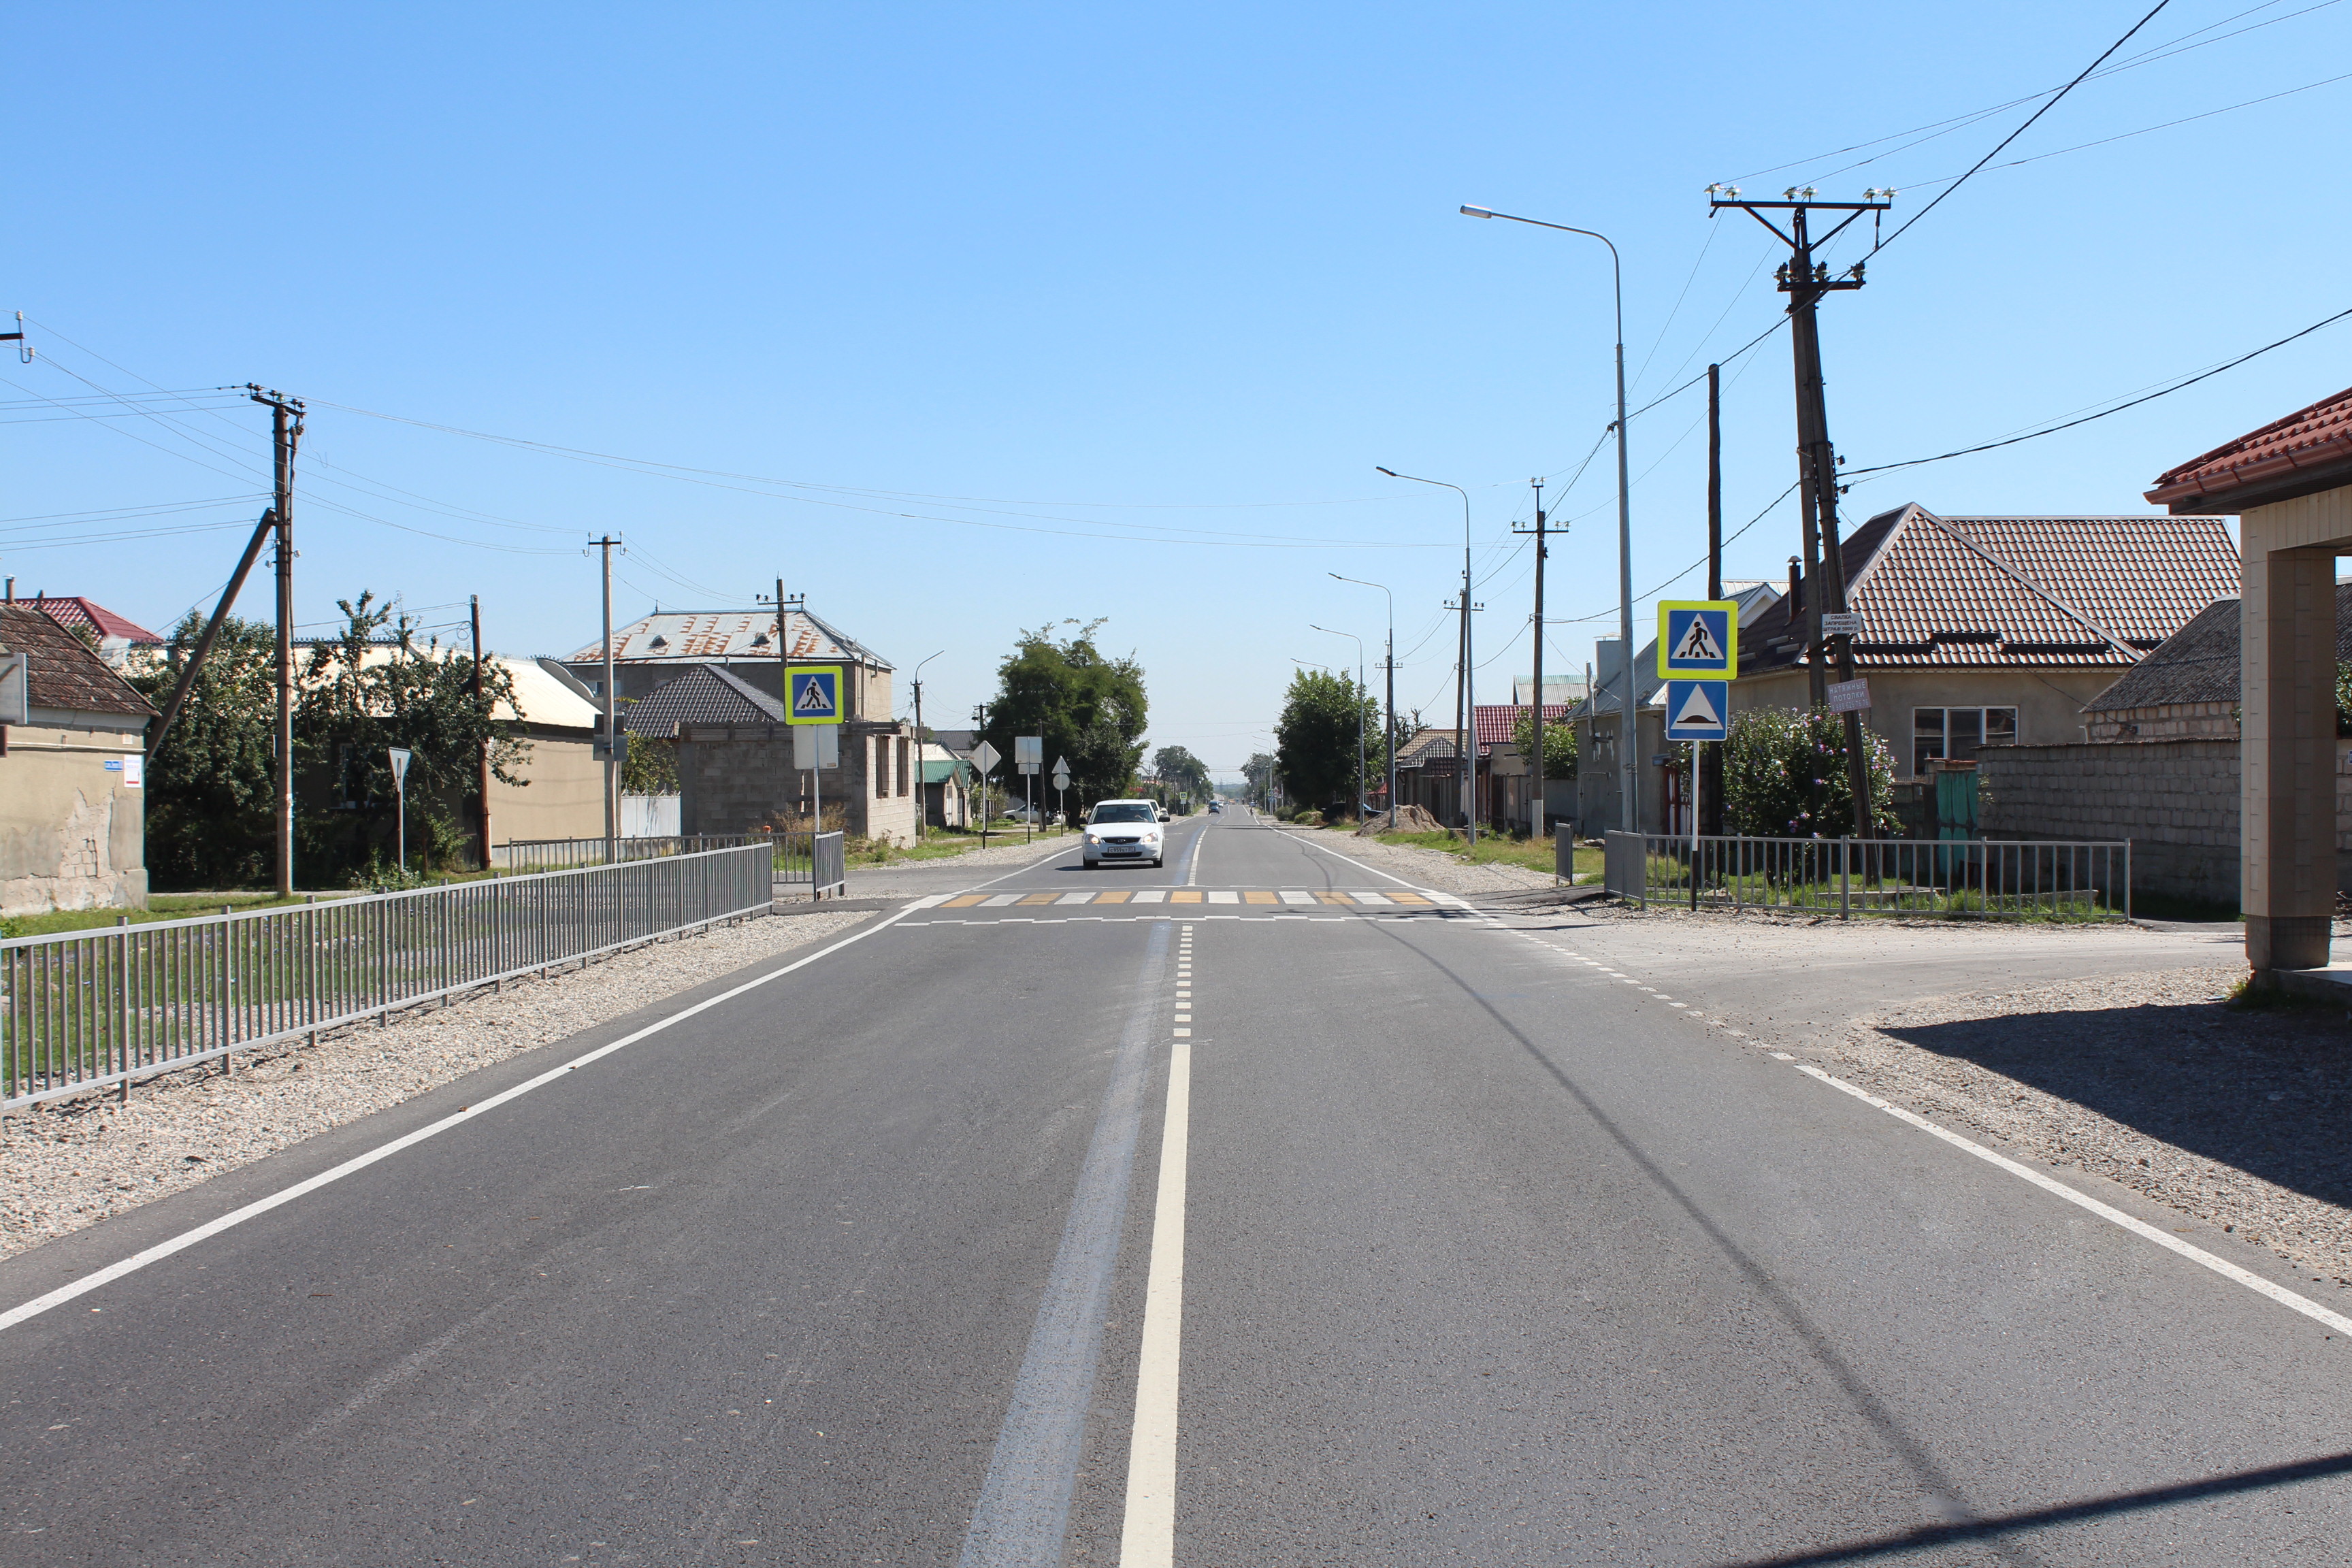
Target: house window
x: 1954, y: 734
x: 903, y: 748
x: 881, y: 767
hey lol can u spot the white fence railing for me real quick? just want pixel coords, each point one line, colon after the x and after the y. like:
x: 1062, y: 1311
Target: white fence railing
x: 1975, y: 878
x: 85, y: 1009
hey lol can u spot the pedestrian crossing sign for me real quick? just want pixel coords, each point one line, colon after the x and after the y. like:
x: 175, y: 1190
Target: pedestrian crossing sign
x: 1698, y: 637
x: 815, y: 694
x: 1697, y: 710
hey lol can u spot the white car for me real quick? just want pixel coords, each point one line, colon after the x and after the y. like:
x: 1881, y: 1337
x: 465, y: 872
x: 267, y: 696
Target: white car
x: 1121, y: 830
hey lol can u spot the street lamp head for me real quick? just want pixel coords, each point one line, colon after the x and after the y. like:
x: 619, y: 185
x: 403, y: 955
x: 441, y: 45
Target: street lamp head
x: 1477, y: 212
x: 1377, y: 469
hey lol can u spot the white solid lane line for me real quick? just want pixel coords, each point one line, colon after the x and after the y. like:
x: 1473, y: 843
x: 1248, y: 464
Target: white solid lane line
x: 2228, y: 1270
x: 186, y: 1239
x: 1147, y: 1538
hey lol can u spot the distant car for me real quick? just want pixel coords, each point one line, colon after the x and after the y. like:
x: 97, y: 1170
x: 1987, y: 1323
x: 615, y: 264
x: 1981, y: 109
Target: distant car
x: 1217, y: 806
x: 1124, y: 830
x: 1164, y: 812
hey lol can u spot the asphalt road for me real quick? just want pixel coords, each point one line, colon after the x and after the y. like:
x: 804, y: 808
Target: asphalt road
x: 1485, y: 1251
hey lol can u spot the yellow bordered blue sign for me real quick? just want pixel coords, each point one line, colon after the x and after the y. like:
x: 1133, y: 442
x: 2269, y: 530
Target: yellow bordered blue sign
x: 815, y: 694
x: 1698, y: 639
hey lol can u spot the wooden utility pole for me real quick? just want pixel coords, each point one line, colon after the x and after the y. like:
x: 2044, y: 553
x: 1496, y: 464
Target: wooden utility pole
x: 1804, y: 281
x: 285, y: 434
x: 482, y: 751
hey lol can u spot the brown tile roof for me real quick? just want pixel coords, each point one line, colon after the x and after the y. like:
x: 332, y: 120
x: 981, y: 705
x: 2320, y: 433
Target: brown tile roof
x: 741, y: 636
x: 61, y: 671
x: 2304, y: 446
x: 2006, y: 592
x: 1498, y: 721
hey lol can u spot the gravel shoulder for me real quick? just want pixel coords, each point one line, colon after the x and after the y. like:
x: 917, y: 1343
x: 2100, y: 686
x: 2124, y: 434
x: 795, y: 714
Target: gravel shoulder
x: 66, y: 1165
x: 2153, y: 1080
x: 1426, y: 868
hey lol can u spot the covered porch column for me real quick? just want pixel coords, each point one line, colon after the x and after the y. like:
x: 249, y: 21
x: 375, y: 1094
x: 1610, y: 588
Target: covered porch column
x: 2287, y: 873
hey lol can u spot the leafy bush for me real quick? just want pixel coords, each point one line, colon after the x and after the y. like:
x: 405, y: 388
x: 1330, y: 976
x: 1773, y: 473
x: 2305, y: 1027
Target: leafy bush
x: 1784, y: 777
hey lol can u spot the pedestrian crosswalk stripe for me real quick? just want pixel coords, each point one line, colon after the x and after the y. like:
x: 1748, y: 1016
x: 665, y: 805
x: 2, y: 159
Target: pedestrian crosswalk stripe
x: 1112, y: 898
x: 966, y: 901
x: 1296, y: 897
x: 1043, y: 898
x: 1186, y: 897
x: 1257, y: 898
x: 1360, y: 899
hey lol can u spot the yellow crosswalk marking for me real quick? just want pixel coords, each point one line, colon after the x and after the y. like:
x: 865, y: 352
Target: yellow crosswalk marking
x: 1043, y: 898
x: 1407, y: 899
x: 1187, y: 896
x: 1118, y: 897
x: 1333, y: 898
x: 1261, y: 897
x: 965, y: 901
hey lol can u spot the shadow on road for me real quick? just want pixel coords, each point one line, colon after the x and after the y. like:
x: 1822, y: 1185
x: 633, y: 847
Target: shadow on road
x: 2067, y: 1513
x: 2257, y: 1090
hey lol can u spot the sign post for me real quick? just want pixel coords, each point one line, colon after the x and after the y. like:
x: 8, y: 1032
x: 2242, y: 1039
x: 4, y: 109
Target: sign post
x: 1697, y: 712
x: 400, y: 756
x: 813, y: 696
x: 1029, y: 757
x: 1061, y: 787
x: 986, y: 756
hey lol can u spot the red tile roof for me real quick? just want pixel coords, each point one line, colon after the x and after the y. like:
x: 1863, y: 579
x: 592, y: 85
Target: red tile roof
x: 2316, y: 437
x: 2004, y: 591
x: 61, y: 671
x: 78, y: 612
x: 1497, y: 721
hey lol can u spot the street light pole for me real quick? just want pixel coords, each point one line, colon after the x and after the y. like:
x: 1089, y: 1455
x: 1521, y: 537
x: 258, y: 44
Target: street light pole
x: 1466, y: 704
x: 1626, y: 738
x: 1392, y: 727
x: 922, y: 790
x: 1360, y: 713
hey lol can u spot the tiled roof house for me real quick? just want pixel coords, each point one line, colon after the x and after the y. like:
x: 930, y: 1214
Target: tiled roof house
x: 1990, y: 630
x: 116, y: 636
x: 73, y: 820
x: 655, y: 650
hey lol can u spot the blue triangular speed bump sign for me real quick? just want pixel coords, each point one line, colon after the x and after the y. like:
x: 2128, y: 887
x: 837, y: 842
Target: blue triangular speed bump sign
x: 1696, y: 709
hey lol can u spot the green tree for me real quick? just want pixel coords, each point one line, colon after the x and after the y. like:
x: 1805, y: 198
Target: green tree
x: 1315, y: 740
x: 1257, y: 773
x: 1784, y: 777
x: 359, y: 699
x: 211, y: 788
x: 1559, y: 745
x: 1181, y: 770
x: 1090, y: 708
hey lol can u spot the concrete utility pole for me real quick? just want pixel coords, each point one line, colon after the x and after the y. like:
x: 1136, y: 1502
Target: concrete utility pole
x: 1711, y: 797
x: 612, y: 733
x: 922, y: 798
x: 285, y: 435
x: 482, y: 751
x: 1536, y: 810
x: 1805, y: 280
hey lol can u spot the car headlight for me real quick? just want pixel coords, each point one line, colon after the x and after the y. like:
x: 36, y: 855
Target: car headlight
x: 1151, y: 836
x: 1094, y: 837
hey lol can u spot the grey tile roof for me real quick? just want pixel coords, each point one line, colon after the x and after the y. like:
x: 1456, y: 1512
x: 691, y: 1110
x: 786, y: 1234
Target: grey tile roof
x: 2201, y: 662
x: 2010, y: 591
x: 61, y: 671
x: 705, y: 695
x: 725, y: 636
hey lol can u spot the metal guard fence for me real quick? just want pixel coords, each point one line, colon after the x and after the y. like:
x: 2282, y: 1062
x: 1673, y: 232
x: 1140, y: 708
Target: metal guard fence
x: 85, y: 1009
x: 563, y: 854
x: 820, y: 859
x: 1970, y: 878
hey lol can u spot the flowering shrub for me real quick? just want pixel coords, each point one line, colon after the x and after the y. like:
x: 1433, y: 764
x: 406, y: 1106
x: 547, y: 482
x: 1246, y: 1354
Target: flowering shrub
x: 1784, y: 777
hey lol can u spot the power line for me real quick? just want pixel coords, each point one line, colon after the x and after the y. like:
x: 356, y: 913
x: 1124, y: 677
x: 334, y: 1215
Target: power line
x: 2118, y: 409
x: 2021, y: 130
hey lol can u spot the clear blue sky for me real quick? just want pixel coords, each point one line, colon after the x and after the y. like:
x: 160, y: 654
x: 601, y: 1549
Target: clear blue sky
x: 1103, y: 310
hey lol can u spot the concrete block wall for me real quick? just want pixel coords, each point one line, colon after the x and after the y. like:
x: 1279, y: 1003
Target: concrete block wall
x: 741, y: 779
x: 2176, y: 800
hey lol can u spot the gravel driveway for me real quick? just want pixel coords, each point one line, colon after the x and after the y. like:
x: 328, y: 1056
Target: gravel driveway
x: 66, y: 1164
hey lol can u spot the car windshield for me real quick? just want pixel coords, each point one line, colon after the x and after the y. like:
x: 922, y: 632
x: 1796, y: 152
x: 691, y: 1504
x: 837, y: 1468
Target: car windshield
x: 1124, y: 812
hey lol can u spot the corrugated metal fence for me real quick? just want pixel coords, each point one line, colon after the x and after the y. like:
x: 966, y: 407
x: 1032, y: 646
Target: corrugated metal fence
x: 85, y: 1009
